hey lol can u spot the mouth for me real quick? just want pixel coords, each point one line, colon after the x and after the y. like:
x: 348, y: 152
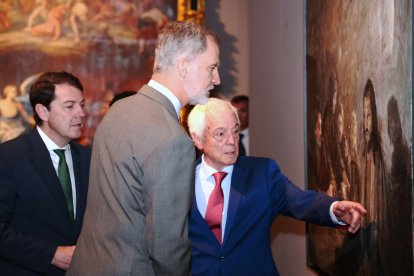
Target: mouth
x: 78, y: 125
x: 230, y: 153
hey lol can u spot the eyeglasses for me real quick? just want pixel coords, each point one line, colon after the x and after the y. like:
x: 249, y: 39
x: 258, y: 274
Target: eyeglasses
x: 222, y: 134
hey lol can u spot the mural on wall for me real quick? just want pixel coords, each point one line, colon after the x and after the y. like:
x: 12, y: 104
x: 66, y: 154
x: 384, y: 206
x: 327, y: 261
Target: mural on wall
x: 359, y: 131
x: 108, y: 44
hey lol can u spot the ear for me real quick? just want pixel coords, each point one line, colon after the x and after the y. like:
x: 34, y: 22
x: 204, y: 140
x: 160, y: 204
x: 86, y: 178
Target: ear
x: 42, y: 111
x: 198, y: 142
x: 182, y: 67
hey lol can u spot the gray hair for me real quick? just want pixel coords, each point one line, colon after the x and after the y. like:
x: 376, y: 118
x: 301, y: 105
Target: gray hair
x: 213, y: 108
x: 180, y: 39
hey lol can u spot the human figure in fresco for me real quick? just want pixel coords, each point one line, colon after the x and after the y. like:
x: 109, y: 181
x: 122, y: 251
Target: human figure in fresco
x: 52, y: 27
x: 354, y: 177
x: 316, y: 163
x: 399, y: 222
x: 339, y: 165
x: 41, y: 10
x: 12, y: 115
x: 328, y: 133
x: 374, y: 190
x: 5, y: 21
x: 78, y: 15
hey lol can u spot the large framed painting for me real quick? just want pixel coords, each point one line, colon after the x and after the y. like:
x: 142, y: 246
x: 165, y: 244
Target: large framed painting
x: 359, y: 131
x: 109, y: 45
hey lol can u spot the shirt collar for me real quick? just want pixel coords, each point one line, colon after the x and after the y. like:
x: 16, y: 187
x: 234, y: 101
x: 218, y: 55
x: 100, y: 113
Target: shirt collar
x: 50, y: 145
x: 167, y: 93
x: 206, y: 171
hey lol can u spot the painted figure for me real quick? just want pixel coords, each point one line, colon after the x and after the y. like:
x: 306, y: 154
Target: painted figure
x: 374, y: 188
x: 12, y: 114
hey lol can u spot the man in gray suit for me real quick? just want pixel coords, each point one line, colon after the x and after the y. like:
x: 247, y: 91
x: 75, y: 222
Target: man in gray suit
x: 142, y: 168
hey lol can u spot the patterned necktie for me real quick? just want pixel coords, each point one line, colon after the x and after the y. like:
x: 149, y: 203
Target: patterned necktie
x: 64, y: 177
x: 215, y: 206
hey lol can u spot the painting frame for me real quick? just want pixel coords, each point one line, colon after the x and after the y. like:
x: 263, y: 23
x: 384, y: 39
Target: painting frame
x: 359, y: 132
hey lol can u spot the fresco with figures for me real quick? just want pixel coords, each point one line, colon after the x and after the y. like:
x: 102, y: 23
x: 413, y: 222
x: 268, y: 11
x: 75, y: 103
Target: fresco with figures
x: 108, y: 44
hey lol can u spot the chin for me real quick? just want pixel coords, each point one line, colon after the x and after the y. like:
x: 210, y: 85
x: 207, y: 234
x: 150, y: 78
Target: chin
x: 200, y: 100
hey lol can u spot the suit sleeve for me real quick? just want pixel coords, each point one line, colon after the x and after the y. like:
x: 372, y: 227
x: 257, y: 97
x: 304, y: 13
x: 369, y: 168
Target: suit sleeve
x: 16, y: 247
x: 290, y: 200
x: 167, y: 200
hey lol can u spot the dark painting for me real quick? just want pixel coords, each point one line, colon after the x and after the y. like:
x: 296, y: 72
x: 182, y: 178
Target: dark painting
x: 359, y: 131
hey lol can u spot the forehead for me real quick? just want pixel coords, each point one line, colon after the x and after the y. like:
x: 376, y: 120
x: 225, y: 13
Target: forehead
x: 224, y: 118
x: 367, y: 102
x: 212, y: 49
x: 66, y: 92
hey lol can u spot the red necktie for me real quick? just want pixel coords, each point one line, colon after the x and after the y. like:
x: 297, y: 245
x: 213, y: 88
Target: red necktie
x: 215, y: 206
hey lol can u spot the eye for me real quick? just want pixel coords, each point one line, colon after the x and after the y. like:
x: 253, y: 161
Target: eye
x: 220, y: 134
x: 69, y: 106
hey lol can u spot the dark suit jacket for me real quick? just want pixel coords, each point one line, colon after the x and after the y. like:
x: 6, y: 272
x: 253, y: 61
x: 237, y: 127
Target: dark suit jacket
x: 34, y: 218
x: 259, y: 193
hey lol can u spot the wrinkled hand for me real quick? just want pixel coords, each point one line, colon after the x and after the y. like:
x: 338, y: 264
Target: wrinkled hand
x: 63, y: 256
x: 349, y: 212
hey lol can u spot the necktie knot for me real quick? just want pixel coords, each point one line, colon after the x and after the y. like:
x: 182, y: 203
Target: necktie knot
x: 60, y: 153
x: 218, y: 177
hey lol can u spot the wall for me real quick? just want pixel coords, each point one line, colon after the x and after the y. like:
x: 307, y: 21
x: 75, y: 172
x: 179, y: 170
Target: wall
x: 229, y: 19
x: 275, y: 64
x: 277, y: 111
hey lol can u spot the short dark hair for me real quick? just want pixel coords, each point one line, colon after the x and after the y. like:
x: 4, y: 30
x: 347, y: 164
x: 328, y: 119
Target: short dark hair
x: 239, y: 98
x: 121, y: 95
x: 42, y: 91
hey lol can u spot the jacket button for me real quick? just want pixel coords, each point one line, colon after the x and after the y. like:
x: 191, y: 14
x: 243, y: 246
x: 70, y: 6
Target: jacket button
x: 222, y: 258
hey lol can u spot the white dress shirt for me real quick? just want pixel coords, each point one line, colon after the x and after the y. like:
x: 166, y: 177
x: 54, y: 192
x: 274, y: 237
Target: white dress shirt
x: 204, y: 185
x: 50, y: 145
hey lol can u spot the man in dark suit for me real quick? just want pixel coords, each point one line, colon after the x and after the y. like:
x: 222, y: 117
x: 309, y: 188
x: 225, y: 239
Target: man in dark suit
x: 142, y: 168
x: 241, y: 103
x: 229, y: 224
x: 43, y: 182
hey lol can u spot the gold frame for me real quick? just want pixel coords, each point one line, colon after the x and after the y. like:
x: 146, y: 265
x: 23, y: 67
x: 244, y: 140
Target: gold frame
x: 187, y: 13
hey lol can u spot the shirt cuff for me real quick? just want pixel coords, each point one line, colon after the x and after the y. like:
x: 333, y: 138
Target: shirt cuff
x: 333, y: 217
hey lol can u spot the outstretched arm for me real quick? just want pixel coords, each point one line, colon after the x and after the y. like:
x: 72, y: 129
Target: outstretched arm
x: 350, y: 213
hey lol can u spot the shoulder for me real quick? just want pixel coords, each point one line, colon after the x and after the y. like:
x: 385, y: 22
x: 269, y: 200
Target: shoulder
x: 256, y: 162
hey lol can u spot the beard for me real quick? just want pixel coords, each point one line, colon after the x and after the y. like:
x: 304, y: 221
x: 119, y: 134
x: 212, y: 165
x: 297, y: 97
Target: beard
x: 201, y: 99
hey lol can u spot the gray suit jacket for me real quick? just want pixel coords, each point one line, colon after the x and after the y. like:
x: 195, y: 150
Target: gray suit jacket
x: 140, y: 191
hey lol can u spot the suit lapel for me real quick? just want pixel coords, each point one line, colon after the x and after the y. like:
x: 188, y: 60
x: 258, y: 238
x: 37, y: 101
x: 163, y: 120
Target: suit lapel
x: 40, y: 159
x: 201, y: 222
x: 238, y: 184
x: 81, y: 186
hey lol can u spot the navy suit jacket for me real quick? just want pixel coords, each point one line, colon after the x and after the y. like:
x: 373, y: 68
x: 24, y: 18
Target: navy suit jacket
x: 34, y: 218
x: 259, y: 193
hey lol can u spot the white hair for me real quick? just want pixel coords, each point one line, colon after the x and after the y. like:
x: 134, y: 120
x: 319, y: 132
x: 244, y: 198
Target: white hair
x: 214, y: 107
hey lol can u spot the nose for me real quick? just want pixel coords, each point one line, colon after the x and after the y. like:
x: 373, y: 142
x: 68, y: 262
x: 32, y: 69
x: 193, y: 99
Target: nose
x: 232, y: 139
x: 216, y: 77
x: 81, y: 112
